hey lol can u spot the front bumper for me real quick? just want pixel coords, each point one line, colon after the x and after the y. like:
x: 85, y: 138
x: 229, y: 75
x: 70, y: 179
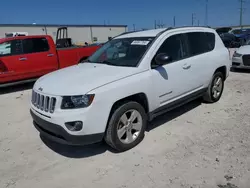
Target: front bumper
x: 58, y: 134
x: 237, y: 62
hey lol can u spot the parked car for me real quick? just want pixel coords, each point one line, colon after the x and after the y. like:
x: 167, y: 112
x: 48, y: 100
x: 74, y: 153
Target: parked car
x: 229, y: 39
x: 223, y: 30
x: 96, y: 44
x: 25, y: 58
x: 242, y: 34
x: 112, y: 97
x: 241, y: 57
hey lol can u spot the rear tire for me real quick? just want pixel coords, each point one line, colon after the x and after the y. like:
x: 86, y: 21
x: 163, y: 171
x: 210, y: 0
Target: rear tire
x: 125, y: 131
x: 215, y: 88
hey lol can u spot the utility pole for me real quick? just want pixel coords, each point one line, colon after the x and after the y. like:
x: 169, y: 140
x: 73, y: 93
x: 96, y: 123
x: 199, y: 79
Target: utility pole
x: 174, y: 21
x: 198, y: 22
x: 193, y: 18
x: 160, y: 24
x: 241, y: 13
x: 155, y: 24
x: 134, y: 26
x: 206, y: 14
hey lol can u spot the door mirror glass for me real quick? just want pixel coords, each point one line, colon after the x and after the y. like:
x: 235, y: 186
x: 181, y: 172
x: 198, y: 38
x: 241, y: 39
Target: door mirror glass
x: 162, y: 59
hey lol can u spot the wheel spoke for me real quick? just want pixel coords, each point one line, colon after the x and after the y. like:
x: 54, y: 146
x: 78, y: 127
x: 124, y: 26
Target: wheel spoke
x: 124, y: 119
x: 218, y: 81
x: 129, y: 137
x: 214, y: 92
x: 133, y: 116
x: 121, y: 132
x: 137, y: 126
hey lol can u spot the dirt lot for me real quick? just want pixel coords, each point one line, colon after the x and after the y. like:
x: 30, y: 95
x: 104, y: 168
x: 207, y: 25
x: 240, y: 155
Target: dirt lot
x: 198, y: 145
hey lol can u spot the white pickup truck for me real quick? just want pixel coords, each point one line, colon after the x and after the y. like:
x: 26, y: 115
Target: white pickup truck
x: 127, y: 82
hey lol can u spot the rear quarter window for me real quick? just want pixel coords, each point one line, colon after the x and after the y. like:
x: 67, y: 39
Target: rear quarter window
x: 200, y: 42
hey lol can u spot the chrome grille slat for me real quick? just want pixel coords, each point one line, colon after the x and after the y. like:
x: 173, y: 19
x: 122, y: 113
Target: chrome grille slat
x: 43, y: 102
x: 38, y: 101
x: 46, y: 105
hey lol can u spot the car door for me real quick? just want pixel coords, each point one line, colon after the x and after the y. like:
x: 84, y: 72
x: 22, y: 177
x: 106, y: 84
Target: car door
x: 172, y: 80
x: 40, y: 57
x: 12, y: 65
x: 200, y: 45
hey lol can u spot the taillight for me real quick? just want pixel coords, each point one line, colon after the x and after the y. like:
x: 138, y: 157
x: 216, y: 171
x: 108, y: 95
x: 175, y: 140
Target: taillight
x: 3, y: 68
x: 230, y: 53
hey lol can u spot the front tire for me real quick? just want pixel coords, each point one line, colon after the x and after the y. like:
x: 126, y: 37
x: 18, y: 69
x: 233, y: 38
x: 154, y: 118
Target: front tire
x: 215, y: 88
x: 126, y: 127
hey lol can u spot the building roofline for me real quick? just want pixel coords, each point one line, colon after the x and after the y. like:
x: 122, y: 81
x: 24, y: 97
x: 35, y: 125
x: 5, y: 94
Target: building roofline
x: 58, y: 25
x: 232, y: 26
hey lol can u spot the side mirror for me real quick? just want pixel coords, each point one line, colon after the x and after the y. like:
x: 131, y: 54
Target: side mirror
x: 162, y: 59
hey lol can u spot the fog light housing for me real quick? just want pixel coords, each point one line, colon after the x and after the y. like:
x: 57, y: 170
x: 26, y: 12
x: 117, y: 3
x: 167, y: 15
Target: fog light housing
x: 74, y: 126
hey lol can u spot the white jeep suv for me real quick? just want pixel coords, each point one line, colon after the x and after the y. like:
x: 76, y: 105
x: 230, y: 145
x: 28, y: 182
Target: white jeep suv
x: 127, y: 82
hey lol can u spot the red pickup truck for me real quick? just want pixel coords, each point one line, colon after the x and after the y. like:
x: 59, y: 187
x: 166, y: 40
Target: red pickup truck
x: 25, y: 58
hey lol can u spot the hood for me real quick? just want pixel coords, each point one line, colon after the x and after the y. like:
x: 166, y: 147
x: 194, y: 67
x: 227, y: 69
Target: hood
x: 244, y: 50
x: 82, y: 78
x: 242, y: 35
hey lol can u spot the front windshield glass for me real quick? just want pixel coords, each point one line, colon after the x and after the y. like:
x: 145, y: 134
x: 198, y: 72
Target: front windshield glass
x: 122, y: 52
x: 240, y: 31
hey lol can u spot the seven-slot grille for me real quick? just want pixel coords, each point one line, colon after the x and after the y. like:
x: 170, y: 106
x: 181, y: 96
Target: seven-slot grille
x: 42, y: 102
x: 246, y: 60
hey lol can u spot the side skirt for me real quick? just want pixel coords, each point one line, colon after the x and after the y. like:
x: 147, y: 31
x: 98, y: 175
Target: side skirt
x: 176, y: 104
x: 17, y: 82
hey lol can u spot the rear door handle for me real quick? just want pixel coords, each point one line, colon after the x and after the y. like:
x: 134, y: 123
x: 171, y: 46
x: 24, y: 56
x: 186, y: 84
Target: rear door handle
x: 50, y: 55
x: 22, y: 59
x: 186, y: 66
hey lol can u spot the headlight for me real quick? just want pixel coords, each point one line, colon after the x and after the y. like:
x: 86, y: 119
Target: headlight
x: 237, y: 54
x: 79, y: 101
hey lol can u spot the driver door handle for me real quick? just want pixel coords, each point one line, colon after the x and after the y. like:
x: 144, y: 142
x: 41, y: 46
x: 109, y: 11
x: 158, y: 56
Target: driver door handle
x: 22, y: 58
x: 186, y: 66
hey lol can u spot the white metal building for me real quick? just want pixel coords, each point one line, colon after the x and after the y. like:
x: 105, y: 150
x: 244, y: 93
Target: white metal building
x: 79, y: 33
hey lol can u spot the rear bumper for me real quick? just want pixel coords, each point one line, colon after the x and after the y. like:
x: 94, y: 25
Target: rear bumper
x: 58, y: 134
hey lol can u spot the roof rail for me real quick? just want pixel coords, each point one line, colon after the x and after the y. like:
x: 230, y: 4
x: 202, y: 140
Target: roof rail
x: 124, y: 33
x: 169, y: 28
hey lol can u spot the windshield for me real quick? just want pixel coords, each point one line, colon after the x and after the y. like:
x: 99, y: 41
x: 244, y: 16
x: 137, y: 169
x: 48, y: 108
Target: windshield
x: 122, y: 52
x: 240, y: 31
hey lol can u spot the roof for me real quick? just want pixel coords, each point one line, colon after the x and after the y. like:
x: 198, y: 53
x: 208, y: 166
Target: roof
x: 234, y: 26
x: 57, y: 25
x: 155, y: 32
x: 145, y: 33
x: 22, y: 37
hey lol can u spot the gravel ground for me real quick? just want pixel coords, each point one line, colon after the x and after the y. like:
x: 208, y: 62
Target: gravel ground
x: 198, y: 145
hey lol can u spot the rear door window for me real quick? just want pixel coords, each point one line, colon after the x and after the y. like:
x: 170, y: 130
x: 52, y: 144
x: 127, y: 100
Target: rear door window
x: 35, y: 45
x: 200, y: 42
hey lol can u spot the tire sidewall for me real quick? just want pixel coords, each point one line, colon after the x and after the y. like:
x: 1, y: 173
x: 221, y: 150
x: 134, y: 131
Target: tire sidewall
x: 216, y: 75
x: 115, y: 120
